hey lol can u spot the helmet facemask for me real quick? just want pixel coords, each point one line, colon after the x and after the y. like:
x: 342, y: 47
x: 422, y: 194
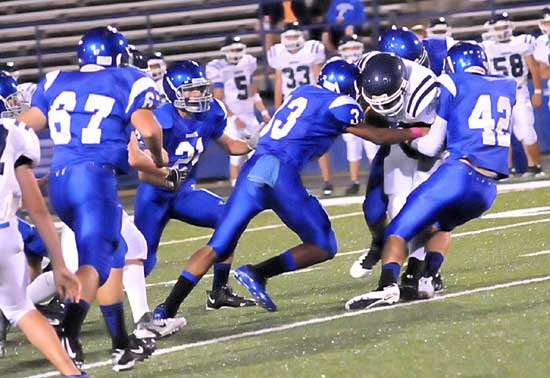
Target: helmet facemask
x: 234, y: 52
x: 293, y: 40
x: 189, y: 100
x: 501, y: 31
x: 157, y: 68
x: 351, y: 51
x: 14, y: 104
x: 387, y: 105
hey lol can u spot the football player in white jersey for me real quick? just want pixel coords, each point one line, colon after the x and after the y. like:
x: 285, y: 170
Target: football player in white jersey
x: 233, y: 83
x: 409, y: 98
x: 439, y: 27
x: 297, y: 62
x: 156, y: 66
x: 542, y: 47
x: 19, y: 152
x: 512, y: 56
x: 351, y: 49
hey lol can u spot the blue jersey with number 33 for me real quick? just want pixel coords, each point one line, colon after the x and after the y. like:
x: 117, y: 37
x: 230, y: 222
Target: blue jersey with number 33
x: 89, y: 112
x: 478, y: 112
x: 307, y: 123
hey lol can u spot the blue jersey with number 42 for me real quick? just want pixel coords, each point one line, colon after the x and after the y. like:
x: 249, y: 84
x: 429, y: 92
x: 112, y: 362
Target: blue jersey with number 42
x: 89, y: 112
x: 185, y: 138
x: 478, y: 111
x: 307, y: 123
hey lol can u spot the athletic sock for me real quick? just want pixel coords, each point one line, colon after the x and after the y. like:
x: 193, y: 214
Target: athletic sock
x: 75, y: 313
x: 221, y: 275
x: 434, y: 260
x: 389, y: 274
x: 113, y: 315
x: 180, y: 291
x: 134, y: 283
x: 276, y: 265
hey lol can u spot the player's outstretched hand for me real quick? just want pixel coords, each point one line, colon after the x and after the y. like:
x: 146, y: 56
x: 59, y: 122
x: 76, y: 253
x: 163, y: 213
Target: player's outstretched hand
x: 67, y: 284
x: 252, y: 138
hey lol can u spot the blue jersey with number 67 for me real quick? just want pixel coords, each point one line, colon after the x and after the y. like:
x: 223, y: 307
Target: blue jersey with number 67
x: 185, y: 138
x: 89, y: 112
x: 307, y: 123
x: 478, y: 112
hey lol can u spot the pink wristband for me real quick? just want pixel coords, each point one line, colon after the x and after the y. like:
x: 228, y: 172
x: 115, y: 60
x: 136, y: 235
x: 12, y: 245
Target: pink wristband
x: 416, y: 132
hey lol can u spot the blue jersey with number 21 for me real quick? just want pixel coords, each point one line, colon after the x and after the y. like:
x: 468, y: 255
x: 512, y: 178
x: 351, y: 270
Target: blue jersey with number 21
x: 89, y: 112
x: 478, y: 111
x: 307, y: 123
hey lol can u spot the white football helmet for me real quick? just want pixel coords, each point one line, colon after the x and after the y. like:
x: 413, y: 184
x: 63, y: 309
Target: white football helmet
x: 500, y: 27
x: 156, y: 65
x: 544, y: 22
x: 439, y: 27
x: 351, y: 48
x: 293, y: 37
x: 233, y: 49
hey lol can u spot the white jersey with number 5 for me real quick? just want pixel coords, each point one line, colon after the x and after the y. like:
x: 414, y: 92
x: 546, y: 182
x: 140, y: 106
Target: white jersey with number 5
x: 297, y: 68
x: 235, y: 79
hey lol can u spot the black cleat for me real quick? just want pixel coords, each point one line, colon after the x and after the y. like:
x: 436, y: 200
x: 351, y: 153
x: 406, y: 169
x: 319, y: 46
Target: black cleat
x: 53, y: 311
x: 225, y: 297
x: 73, y: 347
x: 409, y: 279
x: 352, y: 189
x: 137, y: 350
x: 327, y: 188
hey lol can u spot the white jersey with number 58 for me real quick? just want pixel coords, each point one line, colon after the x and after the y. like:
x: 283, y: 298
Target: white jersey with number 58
x: 508, y: 58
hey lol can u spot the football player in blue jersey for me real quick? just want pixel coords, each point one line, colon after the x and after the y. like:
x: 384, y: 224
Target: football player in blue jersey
x: 406, y: 96
x: 302, y: 129
x: 473, y: 117
x: 190, y: 121
x: 89, y: 114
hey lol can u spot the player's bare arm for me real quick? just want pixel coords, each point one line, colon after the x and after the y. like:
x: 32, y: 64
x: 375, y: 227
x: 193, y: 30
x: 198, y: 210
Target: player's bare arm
x: 233, y: 146
x: 387, y: 136
x: 278, y: 95
x: 259, y: 103
x: 536, y: 99
x: 34, y: 118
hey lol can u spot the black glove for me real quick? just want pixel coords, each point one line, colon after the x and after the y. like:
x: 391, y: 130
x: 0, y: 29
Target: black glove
x: 175, y: 178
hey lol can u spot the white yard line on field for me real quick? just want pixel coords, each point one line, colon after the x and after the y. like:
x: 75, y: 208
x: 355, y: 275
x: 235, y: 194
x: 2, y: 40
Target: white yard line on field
x: 314, y: 321
x: 539, y: 253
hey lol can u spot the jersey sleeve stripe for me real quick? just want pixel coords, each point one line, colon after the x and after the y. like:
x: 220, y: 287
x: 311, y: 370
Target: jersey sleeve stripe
x: 431, y: 88
x: 448, y: 83
x: 342, y: 100
x: 50, y: 78
x: 140, y: 86
x: 415, y: 92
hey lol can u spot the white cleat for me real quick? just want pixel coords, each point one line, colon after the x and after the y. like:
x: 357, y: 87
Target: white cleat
x: 385, y: 296
x: 161, y: 327
x: 426, y: 289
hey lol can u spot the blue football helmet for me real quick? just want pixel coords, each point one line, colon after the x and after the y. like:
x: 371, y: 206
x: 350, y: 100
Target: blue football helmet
x: 500, y: 27
x: 467, y: 57
x: 11, y: 100
x: 182, y: 78
x: 383, y: 84
x: 404, y: 43
x: 104, y: 46
x: 339, y: 76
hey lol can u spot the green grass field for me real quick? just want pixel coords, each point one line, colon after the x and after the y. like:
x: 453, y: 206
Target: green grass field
x: 493, y: 319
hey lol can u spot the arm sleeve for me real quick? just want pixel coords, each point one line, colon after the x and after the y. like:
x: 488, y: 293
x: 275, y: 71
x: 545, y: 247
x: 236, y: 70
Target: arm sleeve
x: 27, y: 143
x: 214, y: 74
x: 431, y: 143
x: 318, y: 53
x: 143, y: 95
x: 219, y: 119
x: 447, y: 92
x: 423, y: 90
x: 272, y: 57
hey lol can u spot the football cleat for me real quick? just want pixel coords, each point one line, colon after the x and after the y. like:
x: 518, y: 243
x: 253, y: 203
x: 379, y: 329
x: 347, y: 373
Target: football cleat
x: 256, y: 285
x: 327, y: 188
x: 137, y: 350
x: 73, y: 347
x: 159, y: 324
x: 54, y: 311
x: 352, y: 189
x: 426, y: 289
x: 409, y: 279
x: 381, y: 296
x: 225, y: 297
x: 82, y: 374
x: 4, y: 327
x: 364, y: 264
